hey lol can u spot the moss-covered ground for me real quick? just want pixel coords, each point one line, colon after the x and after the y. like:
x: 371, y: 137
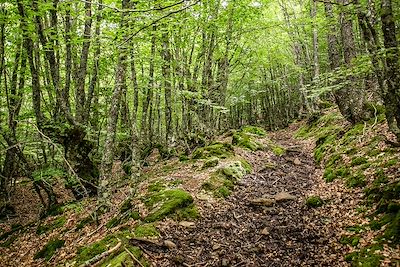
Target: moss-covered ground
x: 358, y: 155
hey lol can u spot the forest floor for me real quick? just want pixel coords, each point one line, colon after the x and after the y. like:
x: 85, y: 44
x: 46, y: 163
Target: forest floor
x: 247, y: 230
x: 264, y: 221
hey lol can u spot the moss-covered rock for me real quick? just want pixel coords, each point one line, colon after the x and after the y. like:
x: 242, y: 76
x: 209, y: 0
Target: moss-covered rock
x: 314, y: 202
x: 244, y: 140
x: 166, y: 202
x: 366, y: 257
x: 235, y: 170
x: 125, y: 259
x: 217, y: 149
x: 350, y: 240
x: 49, y: 249
x: 211, y: 162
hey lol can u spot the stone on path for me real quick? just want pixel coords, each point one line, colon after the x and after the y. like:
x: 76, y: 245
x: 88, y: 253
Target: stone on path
x: 284, y: 196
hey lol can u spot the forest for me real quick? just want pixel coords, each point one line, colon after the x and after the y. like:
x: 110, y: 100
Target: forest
x: 200, y: 133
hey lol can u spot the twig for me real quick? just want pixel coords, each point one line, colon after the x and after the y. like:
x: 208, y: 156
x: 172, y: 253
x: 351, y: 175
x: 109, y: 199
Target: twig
x: 133, y: 257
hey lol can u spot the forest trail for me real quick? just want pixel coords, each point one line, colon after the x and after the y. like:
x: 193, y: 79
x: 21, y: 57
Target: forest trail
x: 240, y: 233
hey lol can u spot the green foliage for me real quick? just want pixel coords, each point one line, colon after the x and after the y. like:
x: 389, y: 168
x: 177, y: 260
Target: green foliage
x: 366, y: 257
x: 254, y: 130
x: 57, y: 223
x: 166, y: 202
x: 244, y: 140
x: 48, y: 174
x: 49, y: 249
x: 156, y: 187
x: 314, y: 202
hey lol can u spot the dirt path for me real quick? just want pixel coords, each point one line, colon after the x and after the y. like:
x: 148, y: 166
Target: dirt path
x: 236, y: 233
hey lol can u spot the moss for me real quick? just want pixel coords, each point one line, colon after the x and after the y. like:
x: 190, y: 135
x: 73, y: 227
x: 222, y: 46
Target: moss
x: 49, y: 249
x: 183, y: 157
x: 211, y: 162
x: 125, y: 259
x: 333, y: 160
x: 156, y: 187
x: 350, y: 240
x: 314, y: 202
x: 278, y: 150
x: 223, y: 192
x: 168, y: 202
x: 253, y: 130
x: 58, y: 223
x: 392, y: 232
x: 88, y: 252
x: 329, y: 175
x: 353, y: 133
x: 365, y: 257
x: 244, y: 140
x: 373, y: 152
x: 246, y: 165
x: 380, y: 177
x: 188, y: 213
x: 85, y: 221
x: 358, y: 161
x: 357, y: 180
x: 217, y: 149
x: 234, y: 171
x: 146, y: 230
x: 356, y: 229
x: 323, y: 145
x: 12, y: 235
x: 390, y: 163
x: 48, y: 174
x: 176, y: 182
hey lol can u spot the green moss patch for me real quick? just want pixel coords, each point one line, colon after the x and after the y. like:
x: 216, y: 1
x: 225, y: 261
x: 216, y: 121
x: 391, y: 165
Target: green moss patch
x: 350, y: 240
x: 49, y: 249
x: 358, y: 161
x: 211, y: 162
x: 314, y: 202
x: 166, y: 202
x: 245, y: 140
x: 216, y: 149
x: 57, y: 223
x: 146, y: 230
x: 90, y: 251
x: 254, y: 130
x: 366, y: 257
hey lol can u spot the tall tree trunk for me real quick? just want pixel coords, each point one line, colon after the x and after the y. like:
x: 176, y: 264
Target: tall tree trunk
x: 104, y: 191
x: 166, y: 71
x: 392, y: 77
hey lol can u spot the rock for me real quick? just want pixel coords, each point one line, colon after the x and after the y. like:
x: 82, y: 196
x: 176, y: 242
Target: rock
x: 296, y: 161
x: 265, y: 231
x: 187, y: 224
x: 169, y: 244
x: 262, y: 201
x: 284, y: 196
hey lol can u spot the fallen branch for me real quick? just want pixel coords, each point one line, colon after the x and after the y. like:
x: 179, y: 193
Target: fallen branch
x: 133, y: 257
x: 101, y: 256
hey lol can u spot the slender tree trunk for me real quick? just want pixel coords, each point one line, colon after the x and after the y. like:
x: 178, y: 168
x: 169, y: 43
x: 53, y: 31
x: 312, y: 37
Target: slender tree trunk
x: 104, y: 191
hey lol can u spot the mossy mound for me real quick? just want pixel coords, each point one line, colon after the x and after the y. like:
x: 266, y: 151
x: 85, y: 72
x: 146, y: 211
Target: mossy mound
x: 166, y: 202
x: 253, y: 130
x: 314, y: 202
x: 222, y: 182
x: 49, y: 249
x: 236, y: 170
x: 146, y: 230
x: 211, y: 162
x: 119, y: 258
x: 216, y: 149
x: 366, y: 257
x: 242, y: 139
